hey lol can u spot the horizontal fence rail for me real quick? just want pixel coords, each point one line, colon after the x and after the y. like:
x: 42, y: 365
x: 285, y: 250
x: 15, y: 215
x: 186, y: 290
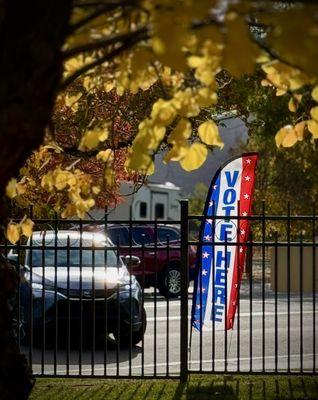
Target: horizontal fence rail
x: 113, y: 298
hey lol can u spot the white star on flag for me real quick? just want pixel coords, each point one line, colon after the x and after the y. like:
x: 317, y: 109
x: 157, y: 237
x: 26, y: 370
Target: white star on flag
x: 248, y: 161
x: 203, y: 290
x: 215, y: 186
x: 244, y: 214
x: 198, y: 306
x: 210, y: 203
x: 242, y: 232
x: 247, y: 178
x: 246, y: 196
x: 205, y: 254
x: 207, y: 237
x: 236, y: 285
x: 241, y: 250
x: 204, y: 272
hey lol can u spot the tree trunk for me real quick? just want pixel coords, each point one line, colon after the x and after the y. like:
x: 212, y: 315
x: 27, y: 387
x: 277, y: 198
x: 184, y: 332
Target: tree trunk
x: 31, y: 36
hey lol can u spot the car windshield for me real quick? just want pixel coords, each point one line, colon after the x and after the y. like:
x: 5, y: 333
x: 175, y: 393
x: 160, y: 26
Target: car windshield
x: 97, y: 258
x: 74, y: 257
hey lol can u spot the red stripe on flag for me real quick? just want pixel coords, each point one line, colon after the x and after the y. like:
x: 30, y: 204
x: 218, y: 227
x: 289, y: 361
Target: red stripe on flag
x: 249, y: 163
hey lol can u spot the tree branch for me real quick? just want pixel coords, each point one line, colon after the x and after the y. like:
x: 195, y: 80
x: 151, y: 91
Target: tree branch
x: 103, y: 9
x: 107, y: 57
x: 99, y: 44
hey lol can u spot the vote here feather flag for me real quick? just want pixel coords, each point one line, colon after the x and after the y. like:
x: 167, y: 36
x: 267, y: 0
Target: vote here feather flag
x: 221, y: 256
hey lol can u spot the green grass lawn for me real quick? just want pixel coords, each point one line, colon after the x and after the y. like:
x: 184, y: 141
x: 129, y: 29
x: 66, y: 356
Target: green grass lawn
x: 198, y: 388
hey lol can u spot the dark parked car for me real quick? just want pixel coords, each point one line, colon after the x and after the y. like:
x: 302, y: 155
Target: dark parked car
x: 84, y: 281
x: 159, y: 268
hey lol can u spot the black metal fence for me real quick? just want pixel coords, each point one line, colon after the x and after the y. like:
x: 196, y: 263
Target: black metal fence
x: 113, y: 299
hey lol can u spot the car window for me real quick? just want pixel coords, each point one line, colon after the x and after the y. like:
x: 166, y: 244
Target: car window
x: 119, y: 236
x: 163, y: 232
x: 73, y: 259
x: 141, y: 235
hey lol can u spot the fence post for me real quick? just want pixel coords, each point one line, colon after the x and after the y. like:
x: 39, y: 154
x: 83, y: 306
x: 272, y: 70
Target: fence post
x: 184, y: 292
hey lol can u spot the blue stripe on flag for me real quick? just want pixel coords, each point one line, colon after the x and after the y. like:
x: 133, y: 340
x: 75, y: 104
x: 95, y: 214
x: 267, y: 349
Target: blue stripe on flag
x: 205, y: 257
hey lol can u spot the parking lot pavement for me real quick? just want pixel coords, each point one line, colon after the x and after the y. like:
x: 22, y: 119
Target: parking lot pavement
x: 251, y: 347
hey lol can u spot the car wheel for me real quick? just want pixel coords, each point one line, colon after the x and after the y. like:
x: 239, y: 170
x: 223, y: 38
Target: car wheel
x: 170, y: 285
x: 136, y: 336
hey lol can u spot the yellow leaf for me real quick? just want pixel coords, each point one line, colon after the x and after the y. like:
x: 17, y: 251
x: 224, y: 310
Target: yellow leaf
x: 265, y: 82
x: 95, y: 189
x: 209, y: 134
x: 71, y: 101
x: 195, y: 157
x: 27, y: 227
x: 290, y: 139
x: 163, y: 112
x: 195, y: 61
x: 61, y: 179
x: 158, y: 46
x: 299, y: 130
x: 314, y: 113
x: 314, y: 93
x: 292, y: 105
x: 151, y: 168
x: 106, y: 155
x: 280, y: 92
x: 47, y: 182
x: 181, y: 131
x: 53, y: 146
x: 13, y: 232
x: 110, y: 178
x: 313, y: 127
x: 92, y: 138
x: 206, y: 97
x: 11, y: 189
x: 285, y: 132
x: 177, y: 152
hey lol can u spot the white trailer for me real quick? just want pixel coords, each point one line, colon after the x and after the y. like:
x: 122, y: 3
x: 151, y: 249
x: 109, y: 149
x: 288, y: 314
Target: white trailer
x: 152, y: 201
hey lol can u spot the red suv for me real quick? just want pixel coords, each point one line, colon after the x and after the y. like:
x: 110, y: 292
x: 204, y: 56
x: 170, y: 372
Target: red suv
x: 160, y: 266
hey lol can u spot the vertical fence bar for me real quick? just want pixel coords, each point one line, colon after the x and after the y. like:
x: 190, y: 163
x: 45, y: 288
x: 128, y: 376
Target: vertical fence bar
x: 213, y: 283
x: 55, y: 294
x: 184, y: 292
x: 155, y: 296
x: 118, y: 311
x: 301, y: 301
x: 276, y: 289
x: 167, y: 308
x: 288, y: 287
x: 81, y: 297
x: 226, y: 302
x: 68, y: 322
x: 130, y: 290
x: 238, y: 284
x: 314, y: 285
x: 18, y: 311
x: 143, y: 303
x: 30, y: 262
x: 250, y: 247
x: 43, y: 304
x: 105, y: 336
x: 93, y: 309
x: 201, y: 318
x: 263, y: 284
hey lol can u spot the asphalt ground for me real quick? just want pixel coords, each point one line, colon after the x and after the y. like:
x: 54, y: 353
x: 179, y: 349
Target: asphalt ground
x: 259, y: 342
